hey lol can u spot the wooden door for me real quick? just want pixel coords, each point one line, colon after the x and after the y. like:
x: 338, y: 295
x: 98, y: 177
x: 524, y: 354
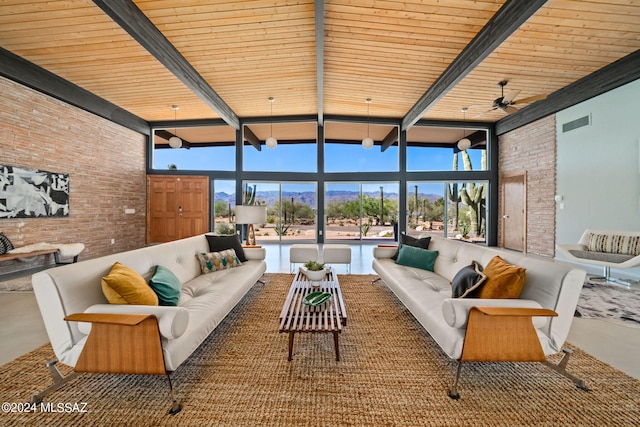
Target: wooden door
x: 177, y: 207
x: 193, y: 211
x: 513, y: 214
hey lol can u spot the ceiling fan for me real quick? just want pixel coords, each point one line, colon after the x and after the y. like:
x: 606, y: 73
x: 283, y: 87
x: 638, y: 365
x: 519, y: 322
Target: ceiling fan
x: 506, y: 102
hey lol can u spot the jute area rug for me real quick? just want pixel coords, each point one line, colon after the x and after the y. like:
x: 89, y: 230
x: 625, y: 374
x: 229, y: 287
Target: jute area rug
x: 391, y: 374
x: 610, y: 302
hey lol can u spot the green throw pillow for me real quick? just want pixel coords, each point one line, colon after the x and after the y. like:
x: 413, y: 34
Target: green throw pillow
x: 166, y: 285
x: 410, y: 256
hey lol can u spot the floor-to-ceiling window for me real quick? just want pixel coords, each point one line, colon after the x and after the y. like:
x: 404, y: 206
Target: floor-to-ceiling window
x: 330, y: 183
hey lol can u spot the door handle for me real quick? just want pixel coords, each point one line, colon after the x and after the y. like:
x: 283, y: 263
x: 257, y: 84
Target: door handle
x: 505, y: 216
x: 180, y: 210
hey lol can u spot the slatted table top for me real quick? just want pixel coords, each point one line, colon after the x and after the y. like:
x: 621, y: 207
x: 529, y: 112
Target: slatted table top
x: 298, y: 317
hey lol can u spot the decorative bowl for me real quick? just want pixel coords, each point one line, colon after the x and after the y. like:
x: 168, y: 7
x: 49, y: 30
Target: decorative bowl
x: 315, y: 299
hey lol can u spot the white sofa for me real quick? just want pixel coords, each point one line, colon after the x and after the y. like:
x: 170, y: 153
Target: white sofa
x: 427, y: 295
x: 205, y: 300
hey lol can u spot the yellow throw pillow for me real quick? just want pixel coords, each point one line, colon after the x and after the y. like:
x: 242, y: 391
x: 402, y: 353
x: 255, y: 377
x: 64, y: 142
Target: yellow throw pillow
x: 504, y: 280
x: 124, y: 285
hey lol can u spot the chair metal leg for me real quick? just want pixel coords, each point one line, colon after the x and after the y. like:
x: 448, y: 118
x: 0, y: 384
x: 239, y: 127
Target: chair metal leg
x: 453, y: 392
x: 58, y: 381
x: 561, y: 369
x: 374, y: 281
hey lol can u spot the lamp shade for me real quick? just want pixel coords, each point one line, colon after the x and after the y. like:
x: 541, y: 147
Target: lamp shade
x: 175, y: 142
x: 251, y: 214
x: 271, y: 142
x: 367, y: 142
x: 464, y: 143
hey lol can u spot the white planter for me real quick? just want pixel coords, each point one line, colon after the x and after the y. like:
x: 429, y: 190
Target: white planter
x: 314, y: 276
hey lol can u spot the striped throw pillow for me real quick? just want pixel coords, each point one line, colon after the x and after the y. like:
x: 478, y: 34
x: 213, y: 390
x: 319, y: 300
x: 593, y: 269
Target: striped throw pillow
x: 614, y: 244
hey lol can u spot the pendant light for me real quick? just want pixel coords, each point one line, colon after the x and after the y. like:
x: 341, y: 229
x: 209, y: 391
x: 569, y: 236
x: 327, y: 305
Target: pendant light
x: 465, y: 142
x: 367, y: 142
x: 174, y: 141
x: 271, y: 142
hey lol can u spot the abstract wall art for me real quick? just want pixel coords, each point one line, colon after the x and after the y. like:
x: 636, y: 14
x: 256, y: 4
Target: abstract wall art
x: 32, y: 193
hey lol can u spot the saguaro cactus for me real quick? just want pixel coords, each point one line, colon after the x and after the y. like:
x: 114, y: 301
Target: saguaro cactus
x: 249, y: 195
x: 452, y: 193
x: 475, y: 196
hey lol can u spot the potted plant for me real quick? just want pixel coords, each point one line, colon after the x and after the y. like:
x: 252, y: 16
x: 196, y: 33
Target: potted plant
x: 314, y: 271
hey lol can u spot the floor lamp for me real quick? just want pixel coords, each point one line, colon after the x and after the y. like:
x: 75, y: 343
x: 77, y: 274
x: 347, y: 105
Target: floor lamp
x: 251, y: 215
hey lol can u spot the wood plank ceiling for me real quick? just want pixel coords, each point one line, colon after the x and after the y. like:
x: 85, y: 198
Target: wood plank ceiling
x: 392, y: 52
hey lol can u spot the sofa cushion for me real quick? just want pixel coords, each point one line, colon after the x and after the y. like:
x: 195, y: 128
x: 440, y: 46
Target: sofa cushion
x: 221, y: 243
x: 601, y: 256
x: 504, y: 280
x: 216, y: 261
x: 166, y: 285
x: 411, y: 256
x: 467, y: 280
x: 614, y: 243
x: 124, y: 285
x: 405, y: 239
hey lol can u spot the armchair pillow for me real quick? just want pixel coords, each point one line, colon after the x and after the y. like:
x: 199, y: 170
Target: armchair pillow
x: 221, y: 243
x: 124, y: 285
x: 467, y: 280
x: 616, y: 244
x: 504, y: 280
x: 410, y: 256
x: 166, y: 285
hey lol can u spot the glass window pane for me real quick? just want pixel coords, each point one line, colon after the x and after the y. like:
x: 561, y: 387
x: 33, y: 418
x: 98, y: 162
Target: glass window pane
x: 296, y: 149
x: 379, y: 211
x: 298, y: 213
x: 445, y: 159
x: 344, y: 152
x: 342, y: 211
x: 203, y: 148
x: 425, y: 208
x: 283, y: 158
x: 436, y: 149
x: 196, y: 158
x: 223, y: 206
x: 361, y: 211
x: 465, y: 214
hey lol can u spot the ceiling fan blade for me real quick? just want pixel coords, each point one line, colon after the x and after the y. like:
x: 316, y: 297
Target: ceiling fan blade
x: 531, y: 99
x: 509, y: 109
x: 485, y: 112
x: 510, y: 96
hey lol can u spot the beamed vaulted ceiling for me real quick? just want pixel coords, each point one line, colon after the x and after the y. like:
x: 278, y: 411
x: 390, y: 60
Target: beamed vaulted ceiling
x: 130, y: 61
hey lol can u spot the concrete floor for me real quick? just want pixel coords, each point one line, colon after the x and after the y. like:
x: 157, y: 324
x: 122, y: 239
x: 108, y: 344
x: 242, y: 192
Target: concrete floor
x: 22, y: 329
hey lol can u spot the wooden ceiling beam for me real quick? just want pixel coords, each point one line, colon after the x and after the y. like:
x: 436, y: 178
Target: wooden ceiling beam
x: 319, y: 24
x: 22, y: 71
x: 505, y: 21
x: 616, y: 74
x: 252, y: 138
x: 135, y: 22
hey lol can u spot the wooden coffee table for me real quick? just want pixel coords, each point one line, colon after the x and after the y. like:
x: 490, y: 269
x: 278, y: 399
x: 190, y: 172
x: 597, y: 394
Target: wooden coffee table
x: 331, y: 317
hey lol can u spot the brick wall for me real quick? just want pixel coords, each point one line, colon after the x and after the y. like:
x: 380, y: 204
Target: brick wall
x: 532, y: 148
x: 106, y: 164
